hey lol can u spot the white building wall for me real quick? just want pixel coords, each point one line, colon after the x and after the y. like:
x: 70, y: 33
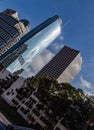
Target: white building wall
x: 71, y: 71
x: 4, y: 74
x: 12, y: 90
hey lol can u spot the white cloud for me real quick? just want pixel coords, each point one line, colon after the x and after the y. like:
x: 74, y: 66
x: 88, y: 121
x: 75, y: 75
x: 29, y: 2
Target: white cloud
x: 29, y: 72
x: 61, y: 38
x: 57, y: 46
x: 88, y: 93
x: 39, y: 62
x: 44, y: 57
x: 85, y: 83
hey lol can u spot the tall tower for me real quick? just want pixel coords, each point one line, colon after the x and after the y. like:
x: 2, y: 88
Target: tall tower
x: 14, y: 55
x: 11, y: 29
x: 64, y: 66
x: 36, y: 40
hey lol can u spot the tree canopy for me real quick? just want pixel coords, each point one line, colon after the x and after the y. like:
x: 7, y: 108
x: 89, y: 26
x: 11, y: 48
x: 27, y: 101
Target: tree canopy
x: 65, y: 101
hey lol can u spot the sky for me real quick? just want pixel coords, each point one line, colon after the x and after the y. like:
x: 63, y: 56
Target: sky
x: 77, y: 32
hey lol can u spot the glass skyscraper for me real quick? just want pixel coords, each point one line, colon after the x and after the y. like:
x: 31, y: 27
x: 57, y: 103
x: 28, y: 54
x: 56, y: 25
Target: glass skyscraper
x: 36, y: 41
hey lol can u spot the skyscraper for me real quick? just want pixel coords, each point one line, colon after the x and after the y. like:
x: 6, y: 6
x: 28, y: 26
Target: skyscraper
x: 64, y: 66
x: 11, y: 29
x: 14, y: 55
x: 36, y: 40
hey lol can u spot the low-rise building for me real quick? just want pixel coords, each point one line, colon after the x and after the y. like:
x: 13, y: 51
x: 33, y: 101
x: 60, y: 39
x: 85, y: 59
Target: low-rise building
x: 6, y: 79
x: 28, y: 104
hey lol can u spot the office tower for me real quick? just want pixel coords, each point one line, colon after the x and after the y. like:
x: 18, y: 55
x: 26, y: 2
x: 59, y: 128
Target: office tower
x: 11, y: 29
x: 36, y: 40
x: 64, y: 66
x: 14, y: 55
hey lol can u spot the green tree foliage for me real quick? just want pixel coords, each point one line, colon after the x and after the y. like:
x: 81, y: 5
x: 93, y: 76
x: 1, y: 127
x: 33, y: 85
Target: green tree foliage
x: 65, y: 101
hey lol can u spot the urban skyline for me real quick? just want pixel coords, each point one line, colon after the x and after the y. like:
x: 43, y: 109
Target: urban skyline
x: 21, y: 50
x: 63, y: 67
x: 77, y: 32
x: 41, y: 97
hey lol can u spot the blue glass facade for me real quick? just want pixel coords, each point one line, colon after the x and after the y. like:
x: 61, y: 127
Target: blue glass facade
x: 36, y: 40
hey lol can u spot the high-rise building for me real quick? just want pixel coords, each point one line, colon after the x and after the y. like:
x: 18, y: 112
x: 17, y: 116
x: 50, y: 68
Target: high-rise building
x: 64, y: 66
x: 11, y: 29
x: 14, y: 55
x: 36, y: 41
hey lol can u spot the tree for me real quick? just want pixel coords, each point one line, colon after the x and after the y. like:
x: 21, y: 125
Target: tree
x: 64, y: 100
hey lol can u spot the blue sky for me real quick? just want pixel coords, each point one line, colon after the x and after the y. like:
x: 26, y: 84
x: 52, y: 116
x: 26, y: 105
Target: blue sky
x: 78, y: 31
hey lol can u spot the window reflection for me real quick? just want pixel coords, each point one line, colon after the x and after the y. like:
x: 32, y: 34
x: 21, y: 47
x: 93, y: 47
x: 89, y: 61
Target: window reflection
x: 37, y: 43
